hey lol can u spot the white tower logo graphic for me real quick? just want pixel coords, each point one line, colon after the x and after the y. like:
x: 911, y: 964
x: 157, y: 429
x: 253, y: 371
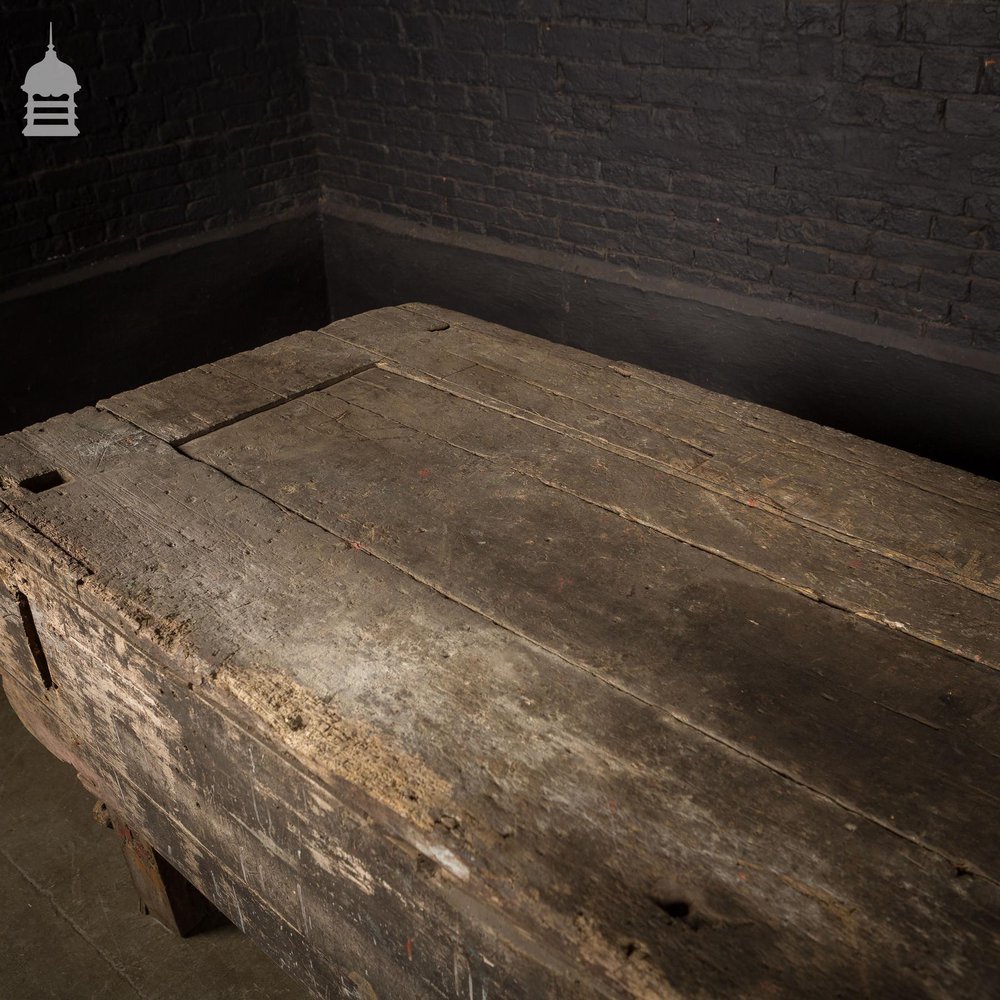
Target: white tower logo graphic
x: 51, y: 88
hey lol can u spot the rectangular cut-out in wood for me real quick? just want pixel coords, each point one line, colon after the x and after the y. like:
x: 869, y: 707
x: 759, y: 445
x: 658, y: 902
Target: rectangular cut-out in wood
x: 448, y: 662
x: 163, y: 892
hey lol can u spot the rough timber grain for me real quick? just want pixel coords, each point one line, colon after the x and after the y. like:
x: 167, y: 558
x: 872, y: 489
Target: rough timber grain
x: 870, y: 455
x: 625, y: 821
x: 246, y: 812
x: 232, y: 895
x: 930, y: 530
x: 195, y: 401
x: 636, y: 608
x: 418, y: 761
x: 633, y: 778
x: 650, y: 491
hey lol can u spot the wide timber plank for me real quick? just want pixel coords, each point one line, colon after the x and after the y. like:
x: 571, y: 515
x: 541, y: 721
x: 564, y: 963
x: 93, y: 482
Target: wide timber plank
x: 450, y: 679
x: 863, y: 581
x: 668, y: 784
x: 788, y: 551
x: 824, y: 489
x: 780, y: 681
x: 192, y: 402
x: 922, y: 473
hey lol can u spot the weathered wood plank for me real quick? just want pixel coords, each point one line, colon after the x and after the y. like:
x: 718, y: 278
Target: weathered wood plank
x: 587, y: 806
x: 281, y: 940
x: 831, y: 492
x: 248, y: 812
x: 921, y: 473
x: 779, y: 680
x: 182, y: 406
x: 915, y: 527
x: 164, y: 893
x: 784, y: 550
x: 842, y: 507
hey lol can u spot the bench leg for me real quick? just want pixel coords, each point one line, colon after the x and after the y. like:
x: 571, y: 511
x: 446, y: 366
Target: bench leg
x: 163, y: 892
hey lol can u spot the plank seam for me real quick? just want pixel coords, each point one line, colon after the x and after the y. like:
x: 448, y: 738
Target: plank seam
x: 460, y: 322
x: 624, y: 369
x: 388, y: 363
x: 847, y: 607
x: 770, y: 507
x: 263, y: 408
x: 680, y: 720
x: 868, y: 466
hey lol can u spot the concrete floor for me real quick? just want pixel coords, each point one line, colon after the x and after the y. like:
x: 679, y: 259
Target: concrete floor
x: 70, y: 928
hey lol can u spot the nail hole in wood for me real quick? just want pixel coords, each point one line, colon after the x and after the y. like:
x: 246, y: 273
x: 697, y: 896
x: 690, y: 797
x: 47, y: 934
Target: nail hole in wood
x: 671, y: 899
x: 43, y: 481
x: 34, y: 642
x: 679, y: 909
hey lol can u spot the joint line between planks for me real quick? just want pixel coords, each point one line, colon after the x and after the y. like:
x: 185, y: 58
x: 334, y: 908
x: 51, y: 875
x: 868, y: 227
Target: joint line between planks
x: 625, y: 370
x: 442, y: 384
x: 388, y: 363
x: 844, y: 606
x: 849, y: 459
x: 586, y: 668
x: 263, y: 408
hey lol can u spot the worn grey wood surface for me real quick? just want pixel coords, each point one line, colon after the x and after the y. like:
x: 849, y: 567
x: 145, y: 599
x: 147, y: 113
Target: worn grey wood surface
x: 454, y: 663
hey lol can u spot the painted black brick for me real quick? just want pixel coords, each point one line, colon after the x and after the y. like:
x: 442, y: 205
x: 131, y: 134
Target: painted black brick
x: 668, y: 12
x: 957, y: 72
x: 180, y: 100
x: 836, y: 154
x: 880, y: 21
x: 979, y: 116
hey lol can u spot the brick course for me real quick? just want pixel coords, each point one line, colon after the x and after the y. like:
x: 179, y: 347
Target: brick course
x: 193, y: 115
x: 838, y: 155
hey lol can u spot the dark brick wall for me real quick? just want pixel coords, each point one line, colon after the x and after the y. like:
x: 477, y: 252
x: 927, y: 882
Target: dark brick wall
x: 838, y: 155
x: 193, y: 115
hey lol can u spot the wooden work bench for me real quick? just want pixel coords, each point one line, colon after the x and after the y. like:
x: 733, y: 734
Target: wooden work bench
x: 449, y: 662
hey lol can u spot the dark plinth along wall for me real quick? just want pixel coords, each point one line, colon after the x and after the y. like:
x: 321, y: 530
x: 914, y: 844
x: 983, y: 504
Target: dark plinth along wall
x: 839, y: 156
x: 793, y: 202
x: 179, y: 225
x: 192, y: 116
x: 759, y: 195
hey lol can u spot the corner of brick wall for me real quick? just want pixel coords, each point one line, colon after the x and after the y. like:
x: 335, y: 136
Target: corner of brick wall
x: 839, y: 155
x: 192, y: 116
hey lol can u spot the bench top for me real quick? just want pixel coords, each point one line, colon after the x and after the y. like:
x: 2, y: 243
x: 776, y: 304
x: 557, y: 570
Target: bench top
x: 688, y: 694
